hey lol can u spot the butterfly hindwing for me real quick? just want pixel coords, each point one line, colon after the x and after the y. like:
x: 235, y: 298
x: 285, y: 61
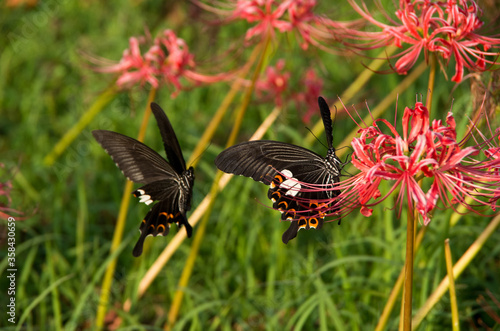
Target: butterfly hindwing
x: 167, y: 189
x: 157, y: 223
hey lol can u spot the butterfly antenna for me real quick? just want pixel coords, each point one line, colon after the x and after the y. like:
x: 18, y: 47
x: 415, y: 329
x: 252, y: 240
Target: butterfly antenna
x: 316, y: 137
x: 335, y: 119
x: 195, y: 161
x: 340, y: 148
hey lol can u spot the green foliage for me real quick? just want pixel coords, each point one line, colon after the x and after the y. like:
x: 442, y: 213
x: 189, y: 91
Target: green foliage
x: 244, y: 277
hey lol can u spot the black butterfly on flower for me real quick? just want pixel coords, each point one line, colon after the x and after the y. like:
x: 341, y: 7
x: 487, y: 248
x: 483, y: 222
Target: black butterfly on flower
x: 168, y: 182
x: 301, y: 182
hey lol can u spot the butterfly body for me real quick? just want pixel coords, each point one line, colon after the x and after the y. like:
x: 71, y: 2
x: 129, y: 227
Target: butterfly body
x: 301, y: 182
x: 168, y: 182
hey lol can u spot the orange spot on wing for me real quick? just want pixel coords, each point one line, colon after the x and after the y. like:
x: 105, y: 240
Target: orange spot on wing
x: 302, y: 222
x: 313, y: 223
x: 284, y: 203
x: 291, y: 214
x: 279, y: 179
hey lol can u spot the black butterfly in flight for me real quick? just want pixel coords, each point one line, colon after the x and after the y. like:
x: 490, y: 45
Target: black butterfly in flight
x: 168, y: 182
x: 287, y: 169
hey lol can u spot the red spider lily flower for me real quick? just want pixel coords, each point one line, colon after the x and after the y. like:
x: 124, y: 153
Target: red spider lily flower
x: 307, y: 99
x: 167, y: 61
x: 447, y: 28
x: 284, y: 16
x: 274, y: 83
x: 134, y: 67
x: 313, y: 29
x: 266, y: 12
x: 452, y: 173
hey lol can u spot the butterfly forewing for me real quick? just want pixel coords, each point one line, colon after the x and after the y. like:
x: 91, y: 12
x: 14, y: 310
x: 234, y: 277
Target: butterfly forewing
x: 327, y: 121
x: 301, y: 182
x: 167, y: 182
x: 172, y: 148
x: 261, y: 159
x: 137, y: 161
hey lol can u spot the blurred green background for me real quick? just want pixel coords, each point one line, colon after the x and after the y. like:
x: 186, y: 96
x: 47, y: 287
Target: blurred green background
x: 244, y: 278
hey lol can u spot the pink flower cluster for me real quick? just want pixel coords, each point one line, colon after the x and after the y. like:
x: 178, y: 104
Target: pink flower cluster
x: 452, y: 173
x: 274, y: 85
x: 284, y: 16
x: 447, y: 28
x: 166, y: 61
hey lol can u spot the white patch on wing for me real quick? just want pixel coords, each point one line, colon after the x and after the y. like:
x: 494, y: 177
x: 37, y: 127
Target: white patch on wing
x: 146, y: 199
x: 292, y: 185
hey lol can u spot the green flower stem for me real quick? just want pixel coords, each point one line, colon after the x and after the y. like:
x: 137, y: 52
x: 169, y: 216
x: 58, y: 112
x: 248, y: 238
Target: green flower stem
x: 81, y: 221
x: 458, y: 268
x: 453, y: 296
x: 408, y: 287
x: 120, y: 225
x: 85, y: 120
x: 188, y: 267
x: 432, y: 80
x: 248, y: 94
x: 393, y: 297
